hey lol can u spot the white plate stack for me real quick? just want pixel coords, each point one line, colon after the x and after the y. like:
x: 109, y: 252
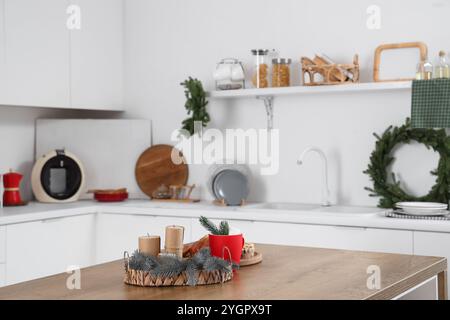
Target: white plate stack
x: 421, y: 208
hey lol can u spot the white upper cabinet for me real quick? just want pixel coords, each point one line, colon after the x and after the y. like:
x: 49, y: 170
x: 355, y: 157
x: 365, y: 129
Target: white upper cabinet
x: 2, y: 51
x: 37, y: 53
x: 97, y: 54
x: 62, y: 53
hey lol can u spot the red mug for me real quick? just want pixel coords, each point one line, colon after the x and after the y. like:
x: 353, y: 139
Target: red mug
x: 222, y: 246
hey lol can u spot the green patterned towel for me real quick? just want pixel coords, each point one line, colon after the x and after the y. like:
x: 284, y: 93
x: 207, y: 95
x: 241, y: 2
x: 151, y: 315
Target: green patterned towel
x: 430, y: 106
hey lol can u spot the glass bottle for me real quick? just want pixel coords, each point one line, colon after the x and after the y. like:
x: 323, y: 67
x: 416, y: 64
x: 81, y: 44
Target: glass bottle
x: 442, y: 69
x: 424, y: 70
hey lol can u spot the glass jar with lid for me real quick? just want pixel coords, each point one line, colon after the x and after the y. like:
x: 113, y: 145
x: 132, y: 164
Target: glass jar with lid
x: 281, y: 72
x: 260, y: 74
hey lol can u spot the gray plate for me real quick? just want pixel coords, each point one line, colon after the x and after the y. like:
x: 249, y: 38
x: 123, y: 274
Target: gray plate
x: 231, y: 186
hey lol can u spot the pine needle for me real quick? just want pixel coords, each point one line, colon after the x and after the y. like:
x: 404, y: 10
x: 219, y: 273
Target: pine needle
x: 208, y: 225
x: 224, y: 228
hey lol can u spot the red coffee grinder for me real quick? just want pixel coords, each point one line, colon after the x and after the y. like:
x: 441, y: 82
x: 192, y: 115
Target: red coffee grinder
x: 11, y: 194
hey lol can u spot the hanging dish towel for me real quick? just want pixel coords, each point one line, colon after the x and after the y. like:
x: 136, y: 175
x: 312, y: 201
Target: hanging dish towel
x: 430, y: 106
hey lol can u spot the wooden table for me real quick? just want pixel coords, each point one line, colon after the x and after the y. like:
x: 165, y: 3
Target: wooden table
x: 285, y: 273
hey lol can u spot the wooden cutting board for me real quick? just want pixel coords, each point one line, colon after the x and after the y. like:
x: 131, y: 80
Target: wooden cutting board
x: 155, y: 167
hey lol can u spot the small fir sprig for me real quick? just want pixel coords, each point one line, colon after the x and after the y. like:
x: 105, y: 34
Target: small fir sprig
x: 223, y: 229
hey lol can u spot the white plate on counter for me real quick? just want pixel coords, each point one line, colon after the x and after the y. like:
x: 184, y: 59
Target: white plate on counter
x: 422, y: 208
x: 423, y: 214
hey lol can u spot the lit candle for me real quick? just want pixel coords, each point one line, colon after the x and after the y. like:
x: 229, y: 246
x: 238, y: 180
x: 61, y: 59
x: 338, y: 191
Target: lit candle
x: 150, y: 245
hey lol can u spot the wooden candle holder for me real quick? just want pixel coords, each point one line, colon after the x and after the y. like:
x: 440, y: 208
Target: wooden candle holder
x: 334, y: 73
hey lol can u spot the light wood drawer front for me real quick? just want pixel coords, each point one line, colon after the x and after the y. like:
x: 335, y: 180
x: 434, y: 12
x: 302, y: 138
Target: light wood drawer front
x: 2, y: 244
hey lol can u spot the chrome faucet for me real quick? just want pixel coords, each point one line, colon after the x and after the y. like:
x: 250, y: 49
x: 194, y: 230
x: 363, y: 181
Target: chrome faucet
x: 325, y: 190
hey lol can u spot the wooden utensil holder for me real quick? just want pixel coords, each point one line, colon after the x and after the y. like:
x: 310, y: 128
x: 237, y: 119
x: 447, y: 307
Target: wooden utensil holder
x: 331, y: 74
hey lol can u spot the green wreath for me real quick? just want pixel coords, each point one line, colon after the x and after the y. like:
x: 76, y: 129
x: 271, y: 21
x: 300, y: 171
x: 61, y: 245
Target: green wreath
x: 381, y: 158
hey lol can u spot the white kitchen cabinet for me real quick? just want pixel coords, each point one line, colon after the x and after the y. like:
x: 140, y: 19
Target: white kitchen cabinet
x: 2, y: 244
x: 432, y: 244
x: 37, y: 53
x: 335, y: 237
x: 41, y: 248
x: 2, y: 52
x: 117, y: 233
x: 96, y: 51
x: 245, y: 226
x: 2, y: 275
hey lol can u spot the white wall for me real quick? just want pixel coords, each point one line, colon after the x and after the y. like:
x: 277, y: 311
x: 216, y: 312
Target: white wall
x: 17, y: 134
x: 168, y: 40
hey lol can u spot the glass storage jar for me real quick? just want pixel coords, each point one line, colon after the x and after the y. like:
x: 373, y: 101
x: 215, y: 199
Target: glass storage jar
x: 260, y: 74
x: 281, y: 72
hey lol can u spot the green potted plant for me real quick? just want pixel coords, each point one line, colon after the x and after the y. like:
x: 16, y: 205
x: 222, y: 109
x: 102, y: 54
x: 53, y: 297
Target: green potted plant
x: 221, y: 243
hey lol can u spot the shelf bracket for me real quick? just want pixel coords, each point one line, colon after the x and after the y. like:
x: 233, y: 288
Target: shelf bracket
x: 268, y: 103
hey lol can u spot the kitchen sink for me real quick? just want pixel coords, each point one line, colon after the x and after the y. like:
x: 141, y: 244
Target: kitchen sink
x: 351, y: 210
x: 281, y: 206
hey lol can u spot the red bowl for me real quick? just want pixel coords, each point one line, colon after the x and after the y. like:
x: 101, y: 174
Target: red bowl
x: 111, y: 197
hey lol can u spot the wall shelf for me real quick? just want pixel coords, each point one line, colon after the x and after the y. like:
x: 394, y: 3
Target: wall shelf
x: 267, y: 95
x: 357, y: 87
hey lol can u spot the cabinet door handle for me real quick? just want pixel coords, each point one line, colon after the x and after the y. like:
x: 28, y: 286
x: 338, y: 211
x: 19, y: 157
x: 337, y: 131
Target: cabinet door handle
x: 351, y: 228
x: 51, y: 220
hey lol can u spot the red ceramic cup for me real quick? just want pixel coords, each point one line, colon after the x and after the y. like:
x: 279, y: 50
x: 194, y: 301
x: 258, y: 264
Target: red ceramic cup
x: 223, y: 246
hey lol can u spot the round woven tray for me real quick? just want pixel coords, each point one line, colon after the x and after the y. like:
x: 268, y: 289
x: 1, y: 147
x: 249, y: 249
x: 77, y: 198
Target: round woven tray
x: 145, y: 279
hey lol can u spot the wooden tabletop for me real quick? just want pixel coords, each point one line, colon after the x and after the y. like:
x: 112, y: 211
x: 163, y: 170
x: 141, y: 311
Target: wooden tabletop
x: 285, y: 273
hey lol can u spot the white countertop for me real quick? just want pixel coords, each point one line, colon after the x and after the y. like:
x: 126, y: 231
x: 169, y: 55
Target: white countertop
x: 375, y: 219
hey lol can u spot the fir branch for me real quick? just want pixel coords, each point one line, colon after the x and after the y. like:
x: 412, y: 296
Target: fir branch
x: 195, y: 105
x: 191, y: 272
x: 223, y: 229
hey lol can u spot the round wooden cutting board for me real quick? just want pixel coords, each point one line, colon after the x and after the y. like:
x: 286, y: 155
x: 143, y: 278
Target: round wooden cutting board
x: 155, y: 167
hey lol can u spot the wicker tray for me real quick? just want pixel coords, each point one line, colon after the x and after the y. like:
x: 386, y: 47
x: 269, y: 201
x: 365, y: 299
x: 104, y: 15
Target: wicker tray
x: 145, y: 279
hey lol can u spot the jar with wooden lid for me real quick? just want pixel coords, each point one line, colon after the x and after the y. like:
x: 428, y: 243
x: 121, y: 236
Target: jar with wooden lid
x: 260, y: 74
x: 281, y: 72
